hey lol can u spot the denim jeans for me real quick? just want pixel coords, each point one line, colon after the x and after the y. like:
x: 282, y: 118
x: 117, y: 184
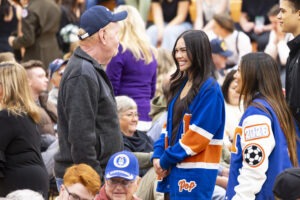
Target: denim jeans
x: 59, y: 182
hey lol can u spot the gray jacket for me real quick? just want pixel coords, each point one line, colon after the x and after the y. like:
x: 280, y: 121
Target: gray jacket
x: 88, y: 125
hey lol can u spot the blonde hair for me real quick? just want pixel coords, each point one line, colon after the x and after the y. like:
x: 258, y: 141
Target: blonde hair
x: 17, y: 98
x: 165, y: 66
x: 133, y: 35
x: 7, y: 56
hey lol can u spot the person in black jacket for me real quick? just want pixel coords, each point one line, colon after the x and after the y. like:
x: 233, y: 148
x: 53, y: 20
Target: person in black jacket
x: 289, y: 19
x: 88, y: 125
x: 21, y: 163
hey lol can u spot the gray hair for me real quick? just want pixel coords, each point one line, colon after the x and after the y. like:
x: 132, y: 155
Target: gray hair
x: 24, y: 194
x: 125, y: 103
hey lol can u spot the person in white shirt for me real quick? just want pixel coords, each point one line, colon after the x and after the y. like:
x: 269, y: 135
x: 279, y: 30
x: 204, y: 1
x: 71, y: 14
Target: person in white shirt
x: 236, y: 41
x: 277, y: 45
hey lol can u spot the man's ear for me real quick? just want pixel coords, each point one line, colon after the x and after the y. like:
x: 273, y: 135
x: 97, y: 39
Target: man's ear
x: 102, y: 36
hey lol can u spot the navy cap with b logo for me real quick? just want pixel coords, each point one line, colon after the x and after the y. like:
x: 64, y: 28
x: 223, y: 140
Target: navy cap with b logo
x: 97, y: 17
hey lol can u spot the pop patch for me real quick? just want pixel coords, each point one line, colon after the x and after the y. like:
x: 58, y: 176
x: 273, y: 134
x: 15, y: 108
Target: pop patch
x: 184, y: 185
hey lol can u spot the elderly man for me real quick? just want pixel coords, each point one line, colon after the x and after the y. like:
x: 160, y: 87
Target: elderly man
x: 88, y: 126
x: 56, y: 70
x: 121, y: 177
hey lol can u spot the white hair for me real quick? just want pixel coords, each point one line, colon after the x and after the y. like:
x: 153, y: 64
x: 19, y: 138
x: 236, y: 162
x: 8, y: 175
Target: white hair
x: 24, y: 194
x: 125, y: 103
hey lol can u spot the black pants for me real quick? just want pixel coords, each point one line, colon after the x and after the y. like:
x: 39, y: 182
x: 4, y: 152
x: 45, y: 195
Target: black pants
x: 296, y: 114
x: 166, y: 196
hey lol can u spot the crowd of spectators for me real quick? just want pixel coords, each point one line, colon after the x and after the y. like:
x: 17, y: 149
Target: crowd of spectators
x: 100, y: 81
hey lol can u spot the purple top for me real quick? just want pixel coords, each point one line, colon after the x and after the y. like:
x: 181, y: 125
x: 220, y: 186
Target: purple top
x: 134, y: 79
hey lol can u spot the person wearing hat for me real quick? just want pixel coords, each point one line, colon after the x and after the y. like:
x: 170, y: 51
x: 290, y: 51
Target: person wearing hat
x: 286, y: 186
x: 236, y: 41
x: 56, y: 70
x: 220, y: 53
x: 88, y: 125
x: 121, y: 177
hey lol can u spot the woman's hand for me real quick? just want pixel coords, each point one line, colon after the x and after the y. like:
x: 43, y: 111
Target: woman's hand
x: 158, y: 170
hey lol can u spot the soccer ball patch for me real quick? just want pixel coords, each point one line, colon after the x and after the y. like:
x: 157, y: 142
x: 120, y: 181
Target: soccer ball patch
x: 253, y: 155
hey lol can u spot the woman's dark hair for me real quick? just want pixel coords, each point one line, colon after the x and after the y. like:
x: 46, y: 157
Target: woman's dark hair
x: 4, y: 8
x: 227, y: 81
x: 260, y: 76
x: 296, y: 4
x: 69, y: 7
x: 199, y: 52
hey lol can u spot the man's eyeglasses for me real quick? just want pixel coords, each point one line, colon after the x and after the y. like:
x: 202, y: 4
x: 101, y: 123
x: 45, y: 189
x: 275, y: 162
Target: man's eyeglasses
x: 73, y: 196
x: 114, y: 182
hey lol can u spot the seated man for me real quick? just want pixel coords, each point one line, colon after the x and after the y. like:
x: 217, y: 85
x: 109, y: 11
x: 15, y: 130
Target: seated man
x: 286, y: 185
x: 121, y: 177
x: 220, y: 54
x: 56, y: 70
x: 38, y: 83
x: 80, y: 182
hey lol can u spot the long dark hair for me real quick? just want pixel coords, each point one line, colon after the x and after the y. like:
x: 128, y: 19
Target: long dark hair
x: 69, y: 6
x: 226, y: 84
x: 4, y: 8
x: 260, y: 75
x: 199, y: 52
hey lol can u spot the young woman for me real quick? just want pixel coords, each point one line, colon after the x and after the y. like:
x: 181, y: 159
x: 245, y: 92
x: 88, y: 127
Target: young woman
x: 188, y: 157
x: 265, y: 140
x: 233, y: 110
x: 21, y: 163
x: 132, y: 71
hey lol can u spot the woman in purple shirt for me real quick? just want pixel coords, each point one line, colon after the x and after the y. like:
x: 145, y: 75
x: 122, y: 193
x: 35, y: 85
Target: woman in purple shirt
x: 132, y: 71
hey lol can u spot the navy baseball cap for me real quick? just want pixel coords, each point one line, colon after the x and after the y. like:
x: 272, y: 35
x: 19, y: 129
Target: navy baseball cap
x: 286, y: 186
x: 97, y: 17
x: 122, y: 164
x: 219, y: 47
x: 55, y: 65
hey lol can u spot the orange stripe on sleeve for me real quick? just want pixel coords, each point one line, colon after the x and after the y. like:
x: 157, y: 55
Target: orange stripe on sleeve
x: 194, y: 141
x: 212, y: 154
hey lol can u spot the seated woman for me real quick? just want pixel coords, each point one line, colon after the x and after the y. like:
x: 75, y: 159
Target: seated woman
x: 233, y: 109
x: 236, y: 41
x: 134, y: 140
x: 171, y: 18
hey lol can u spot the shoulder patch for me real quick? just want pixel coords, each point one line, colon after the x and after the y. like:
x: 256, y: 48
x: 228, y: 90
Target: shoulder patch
x: 253, y: 155
x: 255, y: 132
